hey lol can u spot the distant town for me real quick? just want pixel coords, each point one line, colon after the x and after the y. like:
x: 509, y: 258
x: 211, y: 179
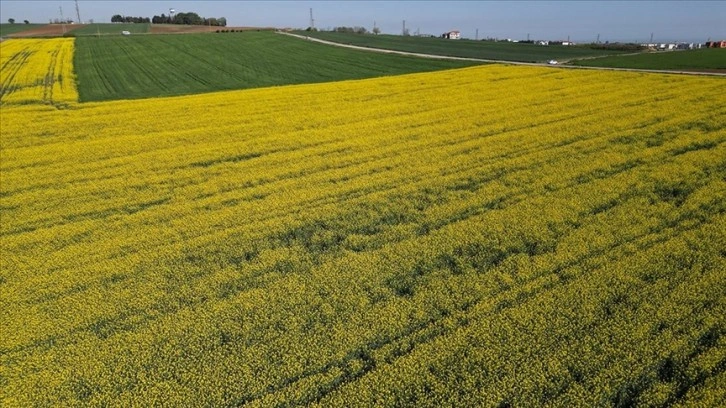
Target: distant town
x: 456, y: 35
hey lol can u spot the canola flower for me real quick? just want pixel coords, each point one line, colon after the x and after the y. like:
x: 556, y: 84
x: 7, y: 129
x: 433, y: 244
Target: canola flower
x: 477, y: 237
x: 37, y: 71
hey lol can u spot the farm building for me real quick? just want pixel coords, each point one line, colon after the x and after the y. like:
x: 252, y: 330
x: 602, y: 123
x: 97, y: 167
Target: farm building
x: 716, y: 44
x: 668, y: 47
x: 451, y: 35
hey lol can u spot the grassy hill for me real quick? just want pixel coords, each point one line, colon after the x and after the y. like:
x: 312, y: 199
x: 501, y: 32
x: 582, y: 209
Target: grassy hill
x: 114, y: 28
x: 463, y: 48
x: 703, y: 59
x: 147, y: 66
x: 7, y: 29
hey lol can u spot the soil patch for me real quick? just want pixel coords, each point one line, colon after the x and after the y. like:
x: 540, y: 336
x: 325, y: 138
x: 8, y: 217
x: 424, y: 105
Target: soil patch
x: 714, y: 70
x: 50, y: 30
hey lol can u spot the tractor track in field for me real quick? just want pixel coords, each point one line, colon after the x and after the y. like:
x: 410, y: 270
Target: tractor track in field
x: 534, y: 64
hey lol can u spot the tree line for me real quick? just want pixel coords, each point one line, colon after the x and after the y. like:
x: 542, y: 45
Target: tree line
x: 351, y: 30
x: 118, y: 18
x: 179, y: 18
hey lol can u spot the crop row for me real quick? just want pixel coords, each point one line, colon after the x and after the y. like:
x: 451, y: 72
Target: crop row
x: 476, y: 237
x: 37, y: 71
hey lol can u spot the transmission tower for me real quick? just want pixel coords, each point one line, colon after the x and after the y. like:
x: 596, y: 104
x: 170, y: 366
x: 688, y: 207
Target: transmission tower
x: 312, y: 20
x: 78, y: 13
x: 63, y: 23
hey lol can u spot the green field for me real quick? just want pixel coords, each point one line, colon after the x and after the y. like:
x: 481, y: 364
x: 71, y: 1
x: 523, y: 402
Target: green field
x: 7, y: 29
x: 114, y: 28
x: 149, y: 66
x: 505, y: 51
x: 703, y: 59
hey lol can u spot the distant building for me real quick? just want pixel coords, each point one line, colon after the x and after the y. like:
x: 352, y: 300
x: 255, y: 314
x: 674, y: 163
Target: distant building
x: 716, y: 44
x: 451, y: 35
x: 666, y: 47
x: 558, y: 42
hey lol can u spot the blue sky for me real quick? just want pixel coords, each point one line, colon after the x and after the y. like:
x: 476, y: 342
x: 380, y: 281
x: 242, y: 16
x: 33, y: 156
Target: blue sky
x: 580, y: 20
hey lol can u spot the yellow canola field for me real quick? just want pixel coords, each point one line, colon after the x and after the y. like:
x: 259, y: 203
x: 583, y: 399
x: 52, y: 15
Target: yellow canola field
x: 37, y: 71
x: 489, y: 236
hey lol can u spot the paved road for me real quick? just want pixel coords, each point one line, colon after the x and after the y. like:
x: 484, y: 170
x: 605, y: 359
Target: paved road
x: 415, y: 54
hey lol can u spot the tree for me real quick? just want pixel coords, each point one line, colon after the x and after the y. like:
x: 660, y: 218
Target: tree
x: 11, y: 20
x: 376, y: 30
x: 118, y: 18
x: 188, y: 19
x: 26, y: 21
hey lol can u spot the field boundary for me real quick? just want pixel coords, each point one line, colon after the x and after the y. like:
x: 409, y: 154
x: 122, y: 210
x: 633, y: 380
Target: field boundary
x: 533, y: 64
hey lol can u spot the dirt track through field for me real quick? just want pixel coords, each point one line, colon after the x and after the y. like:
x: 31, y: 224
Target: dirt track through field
x: 415, y: 54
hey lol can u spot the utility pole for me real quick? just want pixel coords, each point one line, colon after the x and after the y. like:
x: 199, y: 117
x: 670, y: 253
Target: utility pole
x: 403, y: 32
x: 477, y: 34
x: 63, y: 23
x: 312, y: 20
x: 651, y: 38
x: 527, y: 37
x: 78, y: 13
x: 598, y: 39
